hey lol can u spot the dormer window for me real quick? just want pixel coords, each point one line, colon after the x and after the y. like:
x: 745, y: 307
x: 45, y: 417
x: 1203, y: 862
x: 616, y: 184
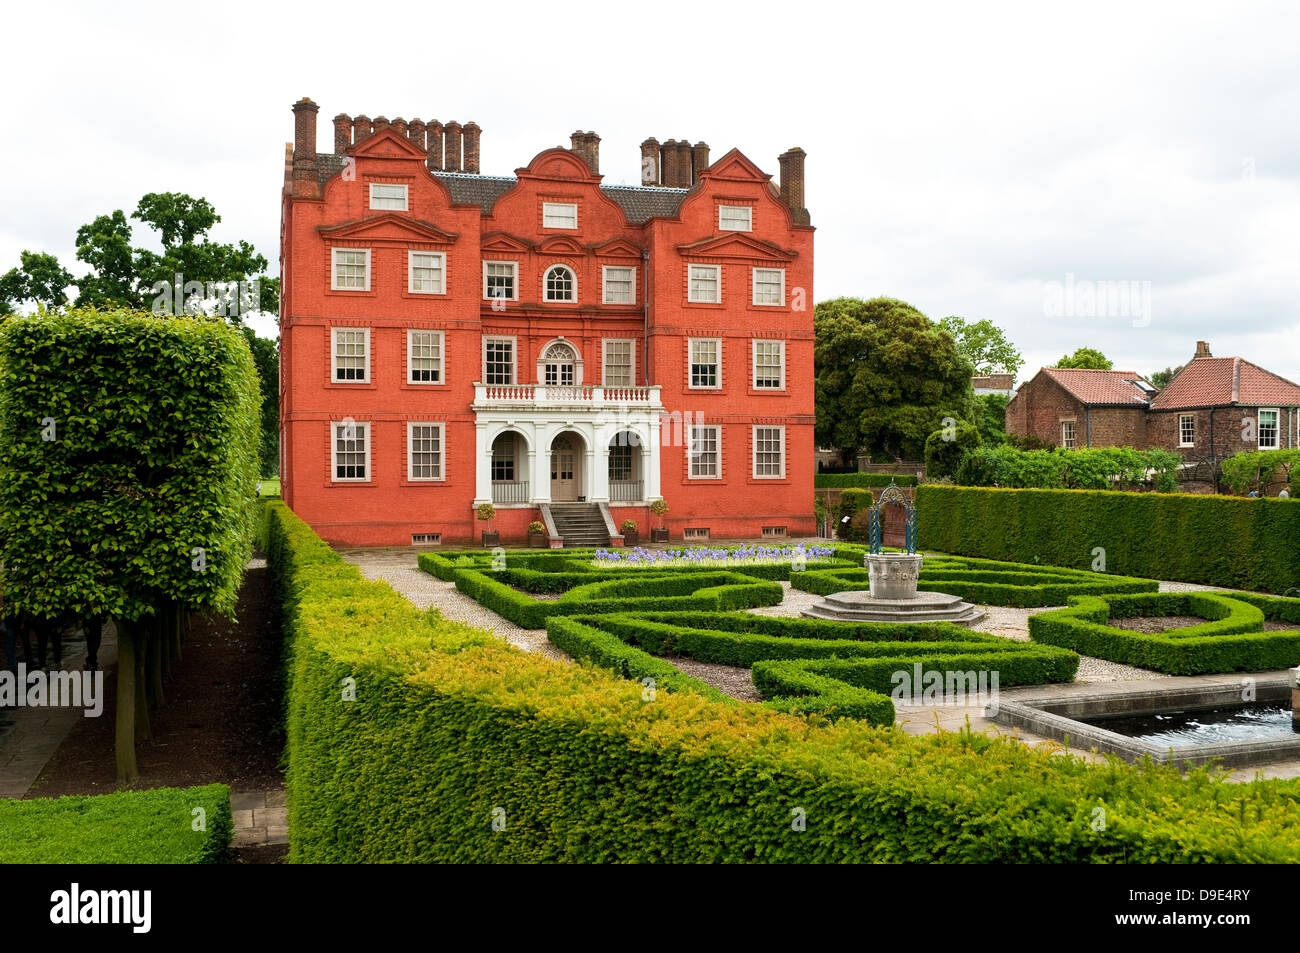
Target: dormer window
x: 561, y: 285
x: 388, y: 197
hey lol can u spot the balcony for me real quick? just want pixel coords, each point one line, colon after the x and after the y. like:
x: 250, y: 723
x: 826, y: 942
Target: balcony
x: 516, y: 492
x: 625, y: 491
x: 571, y: 397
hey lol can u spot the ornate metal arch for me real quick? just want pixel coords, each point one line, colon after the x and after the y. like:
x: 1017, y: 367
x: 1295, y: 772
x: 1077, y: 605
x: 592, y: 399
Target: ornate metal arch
x: 893, y: 495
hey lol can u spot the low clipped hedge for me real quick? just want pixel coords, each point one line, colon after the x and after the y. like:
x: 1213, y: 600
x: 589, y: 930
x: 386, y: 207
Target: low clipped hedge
x: 1233, y: 542
x: 451, y: 728
x: 841, y: 480
x: 127, y: 827
x: 835, y: 669
x: 986, y: 581
x: 1232, y: 640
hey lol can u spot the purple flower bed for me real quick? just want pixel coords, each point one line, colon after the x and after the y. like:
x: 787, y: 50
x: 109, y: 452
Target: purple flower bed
x: 710, y: 555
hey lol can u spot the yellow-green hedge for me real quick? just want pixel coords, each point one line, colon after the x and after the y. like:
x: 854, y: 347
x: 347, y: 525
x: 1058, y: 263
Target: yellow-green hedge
x: 452, y: 729
x: 1235, y: 542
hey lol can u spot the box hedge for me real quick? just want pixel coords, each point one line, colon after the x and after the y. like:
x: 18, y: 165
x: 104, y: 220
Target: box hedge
x: 127, y: 827
x: 459, y: 747
x: 841, y: 480
x: 1234, y: 542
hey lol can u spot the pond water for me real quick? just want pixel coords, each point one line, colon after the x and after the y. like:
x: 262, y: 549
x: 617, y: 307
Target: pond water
x: 1259, y: 721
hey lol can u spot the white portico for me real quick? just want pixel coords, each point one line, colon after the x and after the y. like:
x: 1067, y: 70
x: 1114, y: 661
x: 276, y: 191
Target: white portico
x: 557, y: 442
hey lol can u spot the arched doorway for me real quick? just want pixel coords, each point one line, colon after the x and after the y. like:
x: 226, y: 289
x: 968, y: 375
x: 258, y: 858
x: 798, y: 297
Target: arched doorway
x: 566, y: 467
x: 509, y: 479
x: 558, y: 365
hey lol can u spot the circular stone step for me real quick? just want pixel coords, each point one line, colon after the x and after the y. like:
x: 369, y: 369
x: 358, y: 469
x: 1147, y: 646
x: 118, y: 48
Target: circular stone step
x: 857, y: 605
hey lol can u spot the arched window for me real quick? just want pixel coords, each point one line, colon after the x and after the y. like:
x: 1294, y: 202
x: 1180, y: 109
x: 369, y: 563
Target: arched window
x: 561, y: 285
x: 557, y: 364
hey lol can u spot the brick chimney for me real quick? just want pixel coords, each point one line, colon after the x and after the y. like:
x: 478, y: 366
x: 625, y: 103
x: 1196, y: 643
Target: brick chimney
x: 380, y: 123
x: 684, y: 178
x: 668, y: 163
x: 342, y: 133
x: 472, y: 132
x: 650, y: 161
x: 361, y: 128
x: 415, y: 132
x: 699, y: 159
x: 451, y: 156
x: 399, y: 125
x: 587, y: 145
x: 304, y: 146
x: 792, y: 184
x: 433, y: 135
x: 1202, y: 350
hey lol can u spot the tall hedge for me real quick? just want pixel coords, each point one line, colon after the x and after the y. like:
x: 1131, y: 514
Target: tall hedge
x: 128, y: 474
x: 1235, y: 542
x: 411, y: 738
x: 840, y: 480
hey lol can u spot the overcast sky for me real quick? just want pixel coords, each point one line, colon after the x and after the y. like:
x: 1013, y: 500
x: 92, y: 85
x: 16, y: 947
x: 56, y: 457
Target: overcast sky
x: 970, y: 159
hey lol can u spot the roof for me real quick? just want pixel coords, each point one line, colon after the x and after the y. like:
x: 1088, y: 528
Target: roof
x: 639, y: 203
x: 1224, y: 381
x: 1106, y: 388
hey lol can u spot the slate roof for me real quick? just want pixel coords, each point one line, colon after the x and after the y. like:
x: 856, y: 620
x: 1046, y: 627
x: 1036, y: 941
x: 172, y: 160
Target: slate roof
x: 1224, y: 381
x: 1102, y: 388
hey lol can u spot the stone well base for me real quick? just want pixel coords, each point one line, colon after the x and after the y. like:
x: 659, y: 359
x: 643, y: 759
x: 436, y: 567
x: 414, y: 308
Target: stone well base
x: 860, y: 606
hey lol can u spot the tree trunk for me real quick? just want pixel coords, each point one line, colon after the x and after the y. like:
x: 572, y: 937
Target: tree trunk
x: 141, y: 677
x: 125, y: 741
x: 165, y: 645
x: 153, y: 659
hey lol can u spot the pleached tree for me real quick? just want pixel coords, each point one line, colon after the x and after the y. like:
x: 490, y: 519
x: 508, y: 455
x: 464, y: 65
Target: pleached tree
x: 128, y: 471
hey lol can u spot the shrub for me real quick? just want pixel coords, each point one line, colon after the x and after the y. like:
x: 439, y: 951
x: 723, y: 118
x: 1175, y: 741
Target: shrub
x: 945, y: 449
x: 536, y: 528
x: 842, y: 480
x: 1097, y: 468
x: 451, y: 728
x: 127, y: 827
x: 1256, y: 469
x: 628, y: 526
x: 1232, y: 641
x: 1222, y: 541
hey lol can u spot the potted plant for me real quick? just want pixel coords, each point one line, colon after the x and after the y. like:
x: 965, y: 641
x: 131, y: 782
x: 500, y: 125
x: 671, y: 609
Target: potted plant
x: 659, y: 507
x: 631, y: 534
x: 537, y: 535
x: 486, y: 512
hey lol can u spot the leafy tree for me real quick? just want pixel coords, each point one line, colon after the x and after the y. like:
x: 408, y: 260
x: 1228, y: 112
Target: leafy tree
x: 991, y: 418
x: 984, y: 344
x: 1086, y: 358
x: 1161, y: 379
x: 40, y: 278
x: 105, y: 245
x: 128, y: 466
x: 886, y: 376
x: 946, y: 448
x: 266, y: 355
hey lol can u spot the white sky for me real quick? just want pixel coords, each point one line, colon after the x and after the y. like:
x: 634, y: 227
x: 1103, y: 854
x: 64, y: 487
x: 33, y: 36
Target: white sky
x: 960, y: 156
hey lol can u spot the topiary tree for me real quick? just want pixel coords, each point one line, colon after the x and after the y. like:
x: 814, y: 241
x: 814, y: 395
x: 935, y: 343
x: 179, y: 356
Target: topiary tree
x: 128, y: 467
x: 946, y: 448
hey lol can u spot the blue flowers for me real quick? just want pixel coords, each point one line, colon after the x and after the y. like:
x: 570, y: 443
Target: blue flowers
x: 709, y: 555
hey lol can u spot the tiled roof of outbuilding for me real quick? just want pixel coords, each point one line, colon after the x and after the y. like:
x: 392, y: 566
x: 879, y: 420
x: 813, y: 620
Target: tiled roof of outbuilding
x: 1223, y: 381
x: 1113, y: 388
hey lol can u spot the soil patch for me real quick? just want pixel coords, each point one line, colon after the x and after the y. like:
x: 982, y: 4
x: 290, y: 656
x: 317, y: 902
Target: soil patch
x: 1152, y: 624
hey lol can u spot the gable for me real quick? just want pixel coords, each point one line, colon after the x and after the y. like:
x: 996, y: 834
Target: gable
x: 557, y: 163
x: 504, y: 242
x: 734, y: 166
x: 389, y: 227
x: 387, y: 144
x: 739, y: 246
x: 618, y: 248
x: 559, y: 245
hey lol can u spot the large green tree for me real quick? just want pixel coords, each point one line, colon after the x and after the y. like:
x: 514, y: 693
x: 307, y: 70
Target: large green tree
x: 266, y: 355
x: 886, y: 377
x: 1086, y: 358
x: 39, y: 278
x: 984, y: 344
x: 1161, y: 379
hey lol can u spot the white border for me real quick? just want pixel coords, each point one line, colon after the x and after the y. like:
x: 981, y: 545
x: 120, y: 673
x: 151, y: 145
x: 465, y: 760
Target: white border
x: 334, y: 447
x: 442, y: 349
x: 551, y: 205
x: 689, y: 284
x: 690, y: 452
x: 753, y: 364
x: 334, y: 285
x: 410, y: 271
x: 1277, y: 428
x: 334, y: 355
x: 753, y: 454
x: 546, y: 273
x: 749, y: 227
x: 690, y: 359
x: 604, y: 283
x: 1180, y: 430
x: 604, y: 361
x: 753, y: 289
x: 406, y: 196
x: 500, y: 261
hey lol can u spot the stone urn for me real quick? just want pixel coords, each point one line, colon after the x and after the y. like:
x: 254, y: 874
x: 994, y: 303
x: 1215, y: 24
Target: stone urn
x: 893, y: 575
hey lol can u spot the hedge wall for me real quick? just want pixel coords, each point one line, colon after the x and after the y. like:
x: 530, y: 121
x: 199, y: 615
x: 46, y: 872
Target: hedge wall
x: 128, y: 827
x: 841, y: 480
x: 452, y: 728
x: 1222, y: 541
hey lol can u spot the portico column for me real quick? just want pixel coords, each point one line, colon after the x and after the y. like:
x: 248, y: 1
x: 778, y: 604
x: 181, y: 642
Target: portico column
x: 650, y: 457
x: 533, y: 474
x: 482, y: 465
x: 595, y: 485
x: 539, y: 466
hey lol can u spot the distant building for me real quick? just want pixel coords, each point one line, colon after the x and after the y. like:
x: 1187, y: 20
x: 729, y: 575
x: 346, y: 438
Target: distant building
x: 1213, y: 408
x: 1004, y: 384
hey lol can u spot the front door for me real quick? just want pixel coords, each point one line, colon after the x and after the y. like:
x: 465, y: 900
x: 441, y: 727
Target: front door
x: 564, y: 476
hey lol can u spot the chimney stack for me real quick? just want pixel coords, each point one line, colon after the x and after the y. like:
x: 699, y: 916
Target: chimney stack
x: 342, y: 133
x: 1203, y: 349
x: 433, y: 133
x: 399, y: 125
x: 472, y: 132
x: 650, y: 161
x: 587, y: 146
x: 451, y: 157
x: 304, y: 146
x: 683, y: 165
x: 668, y: 163
x: 699, y: 159
x: 380, y: 123
x: 361, y: 128
x: 792, y: 184
x: 415, y: 132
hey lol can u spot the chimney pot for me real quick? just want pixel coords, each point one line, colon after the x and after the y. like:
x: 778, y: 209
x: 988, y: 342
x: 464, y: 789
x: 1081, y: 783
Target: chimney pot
x: 683, y: 148
x: 451, y: 156
x: 471, y: 133
x: 342, y: 133
x: 380, y: 123
x: 304, y: 145
x: 587, y: 146
x: 433, y: 135
x: 399, y: 124
x: 1203, y: 349
x: 361, y: 128
x: 699, y: 159
x: 650, y: 161
x: 415, y: 132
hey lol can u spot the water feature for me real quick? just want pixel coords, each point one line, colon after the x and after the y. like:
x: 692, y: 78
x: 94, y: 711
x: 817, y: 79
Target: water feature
x: 1251, y: 722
